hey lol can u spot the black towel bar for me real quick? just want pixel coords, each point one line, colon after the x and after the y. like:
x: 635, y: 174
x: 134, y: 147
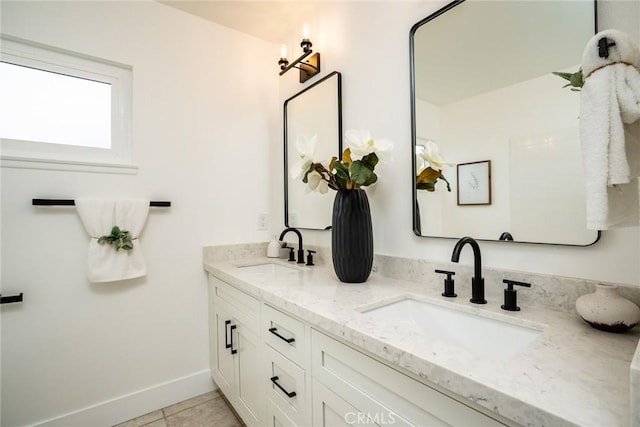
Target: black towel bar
x: 11, y: 299
x: 68, y: 202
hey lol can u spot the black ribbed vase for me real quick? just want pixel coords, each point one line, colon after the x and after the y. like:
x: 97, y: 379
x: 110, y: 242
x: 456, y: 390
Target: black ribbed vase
x: 352, y: 236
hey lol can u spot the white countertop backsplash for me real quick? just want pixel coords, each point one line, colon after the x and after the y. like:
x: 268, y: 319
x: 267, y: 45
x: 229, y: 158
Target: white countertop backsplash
x: 571, y: 374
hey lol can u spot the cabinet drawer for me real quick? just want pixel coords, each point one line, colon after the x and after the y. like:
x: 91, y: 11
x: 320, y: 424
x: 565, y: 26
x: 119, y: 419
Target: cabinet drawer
x: 381, y: 392
x: 243, y: 306
x: 285, y: 334
x: 287, y: 387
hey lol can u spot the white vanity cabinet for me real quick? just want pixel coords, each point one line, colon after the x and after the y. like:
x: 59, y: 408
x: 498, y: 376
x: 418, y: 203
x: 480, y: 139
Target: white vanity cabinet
x: 237, y: 358
x: 277, y: 370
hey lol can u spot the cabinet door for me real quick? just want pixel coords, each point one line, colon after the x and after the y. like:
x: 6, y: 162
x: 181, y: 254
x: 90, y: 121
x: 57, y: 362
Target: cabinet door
x: 383, y: 393
x: 250, y: 396
x: 276, y: 418
x: 330, y: 410
x: 222, y: 369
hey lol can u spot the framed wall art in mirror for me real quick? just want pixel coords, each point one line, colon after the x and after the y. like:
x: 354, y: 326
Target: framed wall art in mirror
x: 482, y: 88
x: 312, y: 121
x: 474, y: 183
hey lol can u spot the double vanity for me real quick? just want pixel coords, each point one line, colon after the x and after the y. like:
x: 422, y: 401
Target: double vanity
x: 292, y: 345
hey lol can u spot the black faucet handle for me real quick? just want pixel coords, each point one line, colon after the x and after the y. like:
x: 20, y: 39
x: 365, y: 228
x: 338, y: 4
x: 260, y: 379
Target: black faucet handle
x: 511, y: 295
x: 292, y: 256
x: 447, y: 272
x: 511, y: 283
x: 310, y: 256
x: 449, y: 286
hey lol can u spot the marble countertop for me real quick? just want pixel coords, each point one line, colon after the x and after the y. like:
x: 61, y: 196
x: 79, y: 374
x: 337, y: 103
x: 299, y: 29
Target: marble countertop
x: 570, y: 375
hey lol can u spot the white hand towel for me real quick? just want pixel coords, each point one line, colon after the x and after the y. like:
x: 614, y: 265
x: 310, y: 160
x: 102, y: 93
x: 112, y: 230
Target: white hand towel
x: 609, y: 103
x: 98, y: 217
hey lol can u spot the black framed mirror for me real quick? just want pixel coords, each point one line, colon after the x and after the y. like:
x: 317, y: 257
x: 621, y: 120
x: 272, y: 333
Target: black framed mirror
x: 482, y: 90
x: 314, y: 113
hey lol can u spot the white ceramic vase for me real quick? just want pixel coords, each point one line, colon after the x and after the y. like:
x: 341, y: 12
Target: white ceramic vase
x: 607, y: 310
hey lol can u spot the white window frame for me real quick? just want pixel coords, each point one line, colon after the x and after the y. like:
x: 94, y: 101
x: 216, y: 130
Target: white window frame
x: 40, y: 155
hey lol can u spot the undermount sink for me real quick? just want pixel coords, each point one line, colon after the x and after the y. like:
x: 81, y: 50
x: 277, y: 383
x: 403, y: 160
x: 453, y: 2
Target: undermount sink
x: 482, y: 335
x: 268, y: 268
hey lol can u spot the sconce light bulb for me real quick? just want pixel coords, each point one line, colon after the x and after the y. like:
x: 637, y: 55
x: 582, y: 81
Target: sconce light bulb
x: 305, y: 31
x: 283, y: 51
x: 305, y: 44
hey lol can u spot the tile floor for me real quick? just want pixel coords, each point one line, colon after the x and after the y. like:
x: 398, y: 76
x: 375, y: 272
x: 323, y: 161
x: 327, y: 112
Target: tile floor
x: 207, y: 410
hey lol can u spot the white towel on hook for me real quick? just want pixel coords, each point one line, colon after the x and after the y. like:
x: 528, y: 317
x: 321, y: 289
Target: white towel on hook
x: 609, y: 104
x: 105, y: 264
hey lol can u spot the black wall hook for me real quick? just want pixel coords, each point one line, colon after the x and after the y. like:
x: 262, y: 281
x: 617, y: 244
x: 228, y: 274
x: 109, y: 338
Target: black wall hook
x: 603, y: 47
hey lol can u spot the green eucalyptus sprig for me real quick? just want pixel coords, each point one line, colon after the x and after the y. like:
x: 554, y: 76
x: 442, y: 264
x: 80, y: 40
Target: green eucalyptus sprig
x: 576, y: 80
x: 349, y: 174
x: 119, y: 239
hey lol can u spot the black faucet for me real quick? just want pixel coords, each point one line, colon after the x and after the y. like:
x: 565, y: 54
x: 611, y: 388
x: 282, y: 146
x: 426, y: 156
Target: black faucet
x: 506, y: 236
x: 477, y: 282
x: 300, y: 250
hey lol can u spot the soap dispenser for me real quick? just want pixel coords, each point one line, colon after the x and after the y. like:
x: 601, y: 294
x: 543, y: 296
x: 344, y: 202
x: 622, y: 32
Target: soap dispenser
x: 273, y: 249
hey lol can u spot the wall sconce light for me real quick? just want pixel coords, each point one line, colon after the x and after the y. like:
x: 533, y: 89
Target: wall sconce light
x: 309, y: 66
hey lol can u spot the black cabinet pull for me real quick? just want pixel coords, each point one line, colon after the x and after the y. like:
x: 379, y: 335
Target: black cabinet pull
x: 11, y: 299
x: 274, y: 331
x: 226, y: 336
x: 289, y: 394
x: 233, y: 351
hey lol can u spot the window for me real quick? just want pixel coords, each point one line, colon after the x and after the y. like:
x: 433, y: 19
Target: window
x: 68, y: 110
x: 62, y: 110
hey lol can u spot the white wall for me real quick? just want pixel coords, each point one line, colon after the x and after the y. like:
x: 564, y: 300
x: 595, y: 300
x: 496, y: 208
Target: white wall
x: 207, y: 131
x: 204, y: 117
x: 369, y: 43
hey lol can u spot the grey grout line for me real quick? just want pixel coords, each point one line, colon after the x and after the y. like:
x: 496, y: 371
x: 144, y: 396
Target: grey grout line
x: 164, y: 415
x: 229, y: 407
x: 213, y: 397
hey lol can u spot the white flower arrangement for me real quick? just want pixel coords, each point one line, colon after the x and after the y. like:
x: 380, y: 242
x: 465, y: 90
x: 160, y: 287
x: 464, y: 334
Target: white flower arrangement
x: 430, y: 174
x: 344, y: 174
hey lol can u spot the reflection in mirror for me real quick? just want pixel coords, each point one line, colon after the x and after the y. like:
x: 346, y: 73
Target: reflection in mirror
x: 314, y: 113
x: 483, y: 89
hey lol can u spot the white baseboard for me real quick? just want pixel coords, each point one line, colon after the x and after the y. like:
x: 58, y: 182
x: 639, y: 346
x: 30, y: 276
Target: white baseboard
x: 123, y: 408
